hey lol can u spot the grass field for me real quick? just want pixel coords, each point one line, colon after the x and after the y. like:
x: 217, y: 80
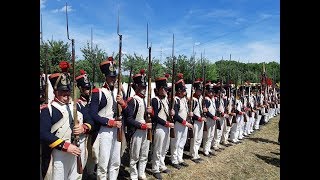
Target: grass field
x: 258, y: 157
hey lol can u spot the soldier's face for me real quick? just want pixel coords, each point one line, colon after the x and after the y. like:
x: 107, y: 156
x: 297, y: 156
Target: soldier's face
x: 162, y: 91
x: 63, y: 96
x: 110, y: 80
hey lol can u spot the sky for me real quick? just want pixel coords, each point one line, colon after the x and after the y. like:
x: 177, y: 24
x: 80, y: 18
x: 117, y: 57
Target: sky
x: 246, y: 30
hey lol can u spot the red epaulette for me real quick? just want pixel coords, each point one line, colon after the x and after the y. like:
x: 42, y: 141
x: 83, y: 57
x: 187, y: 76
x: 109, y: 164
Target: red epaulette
x: 78, y: 100
x: 95, y: 90
x: 42, y: 106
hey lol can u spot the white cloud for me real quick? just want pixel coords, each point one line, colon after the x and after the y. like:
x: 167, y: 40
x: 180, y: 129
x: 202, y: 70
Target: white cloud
x: 42, y: 4
x: 63, y: 9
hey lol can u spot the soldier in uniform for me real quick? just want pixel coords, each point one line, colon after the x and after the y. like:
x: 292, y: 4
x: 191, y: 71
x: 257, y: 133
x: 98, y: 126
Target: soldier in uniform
x: 220, y: 113
x: 181, y: 124
x: 211, y: 120
x: 236, y: 127
x: 162, y: 125
x: 84, y: 86
x: 57, y: 129
x: 198, y: 119
x: 135, y: 119
x: 229, y: 115
x: 106, y: 148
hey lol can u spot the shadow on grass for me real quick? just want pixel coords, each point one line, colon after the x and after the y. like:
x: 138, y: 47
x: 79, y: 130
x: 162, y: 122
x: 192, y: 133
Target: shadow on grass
x: 276, y: 153
x: 261, y: 140
x: 270, y: 160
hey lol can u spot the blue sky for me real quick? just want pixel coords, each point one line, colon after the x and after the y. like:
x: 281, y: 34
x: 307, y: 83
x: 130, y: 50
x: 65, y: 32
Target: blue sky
x: 249, y: 30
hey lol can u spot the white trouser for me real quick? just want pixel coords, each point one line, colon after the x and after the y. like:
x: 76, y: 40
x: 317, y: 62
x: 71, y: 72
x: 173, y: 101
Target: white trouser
x: 139, y: 149
x: 161, y: 142
x: 252, y: 119
x: 208, y: 135
x: 226, y: 130
x: 109, y: 154
x: 278, y: 109
x: 257, y: 121
x: 243, y: 125
x: 64, y: 166
x: 197, y: 139
x: 218, y: 133
x: 177, y: 143
x: 236, y: 129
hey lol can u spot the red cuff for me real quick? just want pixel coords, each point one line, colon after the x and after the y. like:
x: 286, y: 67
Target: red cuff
x: 111, y: 122
x: 123, y: 106
x: 184, y: 122
x: 200, y: 119
x: 152, y: 114
x: 222, y: 114
x: 240, y: 113
x: 215, y: 118
x: 143, y: 126
x: 167, y: 124
x: 65, y: 146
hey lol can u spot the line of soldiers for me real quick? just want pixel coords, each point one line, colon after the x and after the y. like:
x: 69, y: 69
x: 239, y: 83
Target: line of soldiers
x: 220, y: 119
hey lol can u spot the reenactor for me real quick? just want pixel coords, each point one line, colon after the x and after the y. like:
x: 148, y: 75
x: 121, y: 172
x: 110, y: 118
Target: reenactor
x: 198, y: 119
x: 162, y: 125
x: 103, y: 108
x: 58, y: 131
x: 181, y: 124
x: 208, y: 135
x: 137, y: 127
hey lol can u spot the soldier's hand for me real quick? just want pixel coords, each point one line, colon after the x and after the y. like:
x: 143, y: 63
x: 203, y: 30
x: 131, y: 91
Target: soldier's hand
x: 72, y: 149
x: 189, y: 125
x: 78, y: 129
x: 205, y: 109
x: 226, y: 116
x: 120, y: 100
x: 233, y: 114
x: 149, y: 125
x: 191, y: 114
x: 117, y: 124
x: 204, y: 119
x: 149, y: 110
x: 171, y: 125
x: 172, y: 112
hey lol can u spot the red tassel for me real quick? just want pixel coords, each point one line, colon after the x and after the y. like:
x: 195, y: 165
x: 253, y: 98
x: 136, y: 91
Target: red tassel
x: 142, y: 71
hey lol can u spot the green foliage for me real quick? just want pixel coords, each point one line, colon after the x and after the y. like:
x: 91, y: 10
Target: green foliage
x: 225, y: 70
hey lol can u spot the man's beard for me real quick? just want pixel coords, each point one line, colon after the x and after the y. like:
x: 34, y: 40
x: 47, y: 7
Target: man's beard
x: 111, y: 85
x: 143, y: 92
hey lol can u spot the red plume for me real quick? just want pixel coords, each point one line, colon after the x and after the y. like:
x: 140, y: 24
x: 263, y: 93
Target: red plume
x: 110, y: 58
x: 200, y: 79
x: 64, y: 65
x: 269, y: 81
x: 82, y: 72
x: 180, y: 75
x: 142, y: 71
x: 167, y: 75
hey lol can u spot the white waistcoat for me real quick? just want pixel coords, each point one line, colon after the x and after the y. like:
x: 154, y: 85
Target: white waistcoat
x: 141, y: 110
x: 63, y: 126
x: 183, y: 110
x: 107, y: 111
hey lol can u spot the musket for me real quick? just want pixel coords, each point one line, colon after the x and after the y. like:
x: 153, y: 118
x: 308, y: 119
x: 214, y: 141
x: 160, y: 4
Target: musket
x: 148, y: 117
x: 189, y: 119
x: 171, y: 105
x: 75, y: 112
x: 119, y: 132
x: 203, y: 91
x: 129, y: 83
x: 46, y: 64
x: 94, y: 64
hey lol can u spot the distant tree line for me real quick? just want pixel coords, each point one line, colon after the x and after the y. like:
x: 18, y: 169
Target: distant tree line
x: 216, y: 70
